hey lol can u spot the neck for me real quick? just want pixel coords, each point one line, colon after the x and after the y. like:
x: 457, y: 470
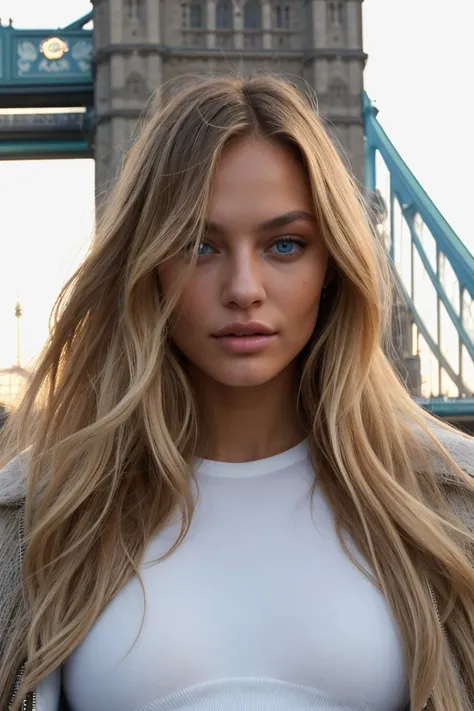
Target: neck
x: 242, y: 424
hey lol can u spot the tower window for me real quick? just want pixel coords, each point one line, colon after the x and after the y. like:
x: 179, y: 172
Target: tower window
x: 338, y: 92
x: 193, y: 15
x: 282, y: 17
x: 336, y: 13
x: 196, y: 19
x: 224, y: 15
x: 340, y: 12
x: 134, y: 86
x: 252, y: 15
x: 134, y: 9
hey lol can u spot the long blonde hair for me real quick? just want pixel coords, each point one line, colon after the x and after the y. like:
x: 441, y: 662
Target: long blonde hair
x: 111, y: 424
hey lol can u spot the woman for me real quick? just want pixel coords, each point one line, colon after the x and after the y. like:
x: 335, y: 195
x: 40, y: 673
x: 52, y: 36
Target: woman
x: 214, y: 429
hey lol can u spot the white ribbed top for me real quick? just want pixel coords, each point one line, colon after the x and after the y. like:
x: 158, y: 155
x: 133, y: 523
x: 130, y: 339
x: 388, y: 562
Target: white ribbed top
x: 250, y: 694
x: 259, y: 609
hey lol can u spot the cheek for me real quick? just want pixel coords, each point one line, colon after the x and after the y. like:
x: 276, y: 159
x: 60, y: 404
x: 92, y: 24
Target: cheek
x: 308, y: 307
x: 311, y: 284
x: 189, y: 306
x: 301, y: 298
x: 301, y: 305
x: 191, y: 310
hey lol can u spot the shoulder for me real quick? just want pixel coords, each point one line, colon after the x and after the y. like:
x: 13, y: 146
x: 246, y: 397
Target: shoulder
x: 459, y: 446
x: 12, y: 494
x: 13, y: 481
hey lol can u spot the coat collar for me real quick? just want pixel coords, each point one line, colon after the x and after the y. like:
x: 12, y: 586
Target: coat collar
x: 13, y: 480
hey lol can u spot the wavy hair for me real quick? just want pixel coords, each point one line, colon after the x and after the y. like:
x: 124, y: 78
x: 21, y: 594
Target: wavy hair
x: 112, y: 426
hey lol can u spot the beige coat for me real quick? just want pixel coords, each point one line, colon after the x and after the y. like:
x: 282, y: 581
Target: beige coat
x: 12, y: 493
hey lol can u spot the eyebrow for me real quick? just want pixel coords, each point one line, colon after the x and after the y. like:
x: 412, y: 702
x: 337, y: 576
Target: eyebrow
x: 274, y: 223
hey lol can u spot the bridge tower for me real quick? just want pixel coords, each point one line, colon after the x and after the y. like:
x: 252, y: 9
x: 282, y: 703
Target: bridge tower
x: 141, y: 44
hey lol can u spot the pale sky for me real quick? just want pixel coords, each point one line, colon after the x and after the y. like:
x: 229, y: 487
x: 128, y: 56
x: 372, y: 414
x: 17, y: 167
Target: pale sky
x: 419, y: 73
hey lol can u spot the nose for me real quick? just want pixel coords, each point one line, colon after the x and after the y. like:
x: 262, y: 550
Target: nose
x: 243, y: 285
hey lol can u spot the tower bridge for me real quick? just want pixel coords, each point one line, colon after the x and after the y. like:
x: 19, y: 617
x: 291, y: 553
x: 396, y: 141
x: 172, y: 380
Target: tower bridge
x: 92, y: 79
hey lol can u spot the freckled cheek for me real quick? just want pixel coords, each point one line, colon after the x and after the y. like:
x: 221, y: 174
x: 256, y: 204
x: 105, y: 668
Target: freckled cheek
x: 192, y: 311
x: 301, y: 298
x: 301, y: 305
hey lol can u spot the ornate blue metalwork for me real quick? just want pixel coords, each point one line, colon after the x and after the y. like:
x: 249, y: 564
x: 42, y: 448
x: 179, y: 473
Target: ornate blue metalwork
x: 26, y: 65
x: 434, y: 249
x: 46, y: 68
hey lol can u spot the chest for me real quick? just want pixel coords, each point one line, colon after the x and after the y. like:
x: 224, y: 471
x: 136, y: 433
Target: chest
x: 260, y: 588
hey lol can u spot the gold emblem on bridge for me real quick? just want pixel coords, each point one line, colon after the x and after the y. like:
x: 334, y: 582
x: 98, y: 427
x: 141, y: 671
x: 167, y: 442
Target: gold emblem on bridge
x: 54, y: 48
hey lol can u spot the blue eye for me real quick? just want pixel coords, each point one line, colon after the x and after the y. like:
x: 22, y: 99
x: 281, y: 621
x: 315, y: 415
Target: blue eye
x: 286, y: 246
x: 204, y: 249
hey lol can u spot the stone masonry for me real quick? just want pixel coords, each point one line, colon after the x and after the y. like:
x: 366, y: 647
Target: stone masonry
x: 141, y: 44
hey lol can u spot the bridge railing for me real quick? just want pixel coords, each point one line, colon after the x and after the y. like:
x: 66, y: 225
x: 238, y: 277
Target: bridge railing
x: 49, y: 134
x: 433, y: 268
x: 58, y: 122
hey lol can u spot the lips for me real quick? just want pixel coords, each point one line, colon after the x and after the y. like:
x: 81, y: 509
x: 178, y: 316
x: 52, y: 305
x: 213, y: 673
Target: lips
x: 245, y: 338
x: 238, y: 329
x: 247, y: 333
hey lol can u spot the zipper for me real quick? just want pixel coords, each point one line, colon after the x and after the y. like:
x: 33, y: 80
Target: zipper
x: 443, y: 628
x: 16, y: 687
x: 30, y: 703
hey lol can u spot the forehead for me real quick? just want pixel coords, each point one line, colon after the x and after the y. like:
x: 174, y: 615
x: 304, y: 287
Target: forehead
x: 256, y: 179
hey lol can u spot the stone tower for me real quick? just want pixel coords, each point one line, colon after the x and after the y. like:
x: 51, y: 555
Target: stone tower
x: 140, y: 44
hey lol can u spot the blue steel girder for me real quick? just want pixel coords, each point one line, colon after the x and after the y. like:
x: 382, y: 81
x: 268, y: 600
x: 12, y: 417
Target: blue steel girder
x: 81, y: 22
x: 449, y: 408
x: 46, y: 148
x: 409, y: 213
x: 46, y: 135
x: 413, y: 201
x: 410, y: 193
x: 455, y: 377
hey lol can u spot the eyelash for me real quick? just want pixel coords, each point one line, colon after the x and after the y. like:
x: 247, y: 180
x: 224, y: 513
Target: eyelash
x: 294, y: 240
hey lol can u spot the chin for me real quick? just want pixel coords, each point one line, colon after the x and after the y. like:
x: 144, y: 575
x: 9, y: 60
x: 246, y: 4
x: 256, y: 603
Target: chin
x: 242, y: 382
x: 244, y: 375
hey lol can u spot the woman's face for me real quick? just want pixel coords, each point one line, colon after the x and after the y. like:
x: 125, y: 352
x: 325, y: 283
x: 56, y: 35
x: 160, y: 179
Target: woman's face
x: 251, y: 304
